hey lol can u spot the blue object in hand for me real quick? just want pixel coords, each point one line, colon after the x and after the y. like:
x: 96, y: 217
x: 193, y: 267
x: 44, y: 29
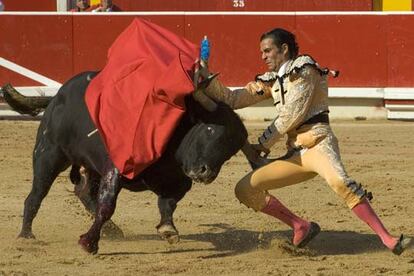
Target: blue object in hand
x: 205, y: 49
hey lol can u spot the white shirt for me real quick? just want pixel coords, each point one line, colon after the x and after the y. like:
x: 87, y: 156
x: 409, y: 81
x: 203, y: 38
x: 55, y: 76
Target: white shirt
x: 282, y: 69
x: 1, y: 6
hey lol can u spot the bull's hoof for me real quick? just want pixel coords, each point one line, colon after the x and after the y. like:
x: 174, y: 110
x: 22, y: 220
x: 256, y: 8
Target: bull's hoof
x: 169, y: 233
x: 87, y: 245
x: 172, y: 239
x: 112, y: 231
x: 26, y: 235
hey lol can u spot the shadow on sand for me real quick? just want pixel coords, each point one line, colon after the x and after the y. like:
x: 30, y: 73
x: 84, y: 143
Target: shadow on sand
x: 230, y: 241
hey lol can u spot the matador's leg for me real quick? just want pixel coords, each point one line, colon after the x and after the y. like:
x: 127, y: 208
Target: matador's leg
x: 325, y: 160
x: 252, y: 191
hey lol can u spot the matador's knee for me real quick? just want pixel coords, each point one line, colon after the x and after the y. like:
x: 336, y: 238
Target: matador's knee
x: 351, y: 191
x: 250, y: 196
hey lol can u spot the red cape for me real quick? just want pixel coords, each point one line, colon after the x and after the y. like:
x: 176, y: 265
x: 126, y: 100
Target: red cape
x: 137, y: 100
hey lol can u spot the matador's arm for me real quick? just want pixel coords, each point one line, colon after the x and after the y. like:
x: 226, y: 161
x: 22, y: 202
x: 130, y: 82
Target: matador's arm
x: 252, y: 93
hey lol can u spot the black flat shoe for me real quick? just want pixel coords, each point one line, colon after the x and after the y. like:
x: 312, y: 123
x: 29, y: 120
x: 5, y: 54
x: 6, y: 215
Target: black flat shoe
x: 313, y: 232
x: 402, y: 244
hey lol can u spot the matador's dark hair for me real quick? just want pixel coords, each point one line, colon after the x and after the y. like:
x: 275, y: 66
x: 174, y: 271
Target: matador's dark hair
x: 281, y: 36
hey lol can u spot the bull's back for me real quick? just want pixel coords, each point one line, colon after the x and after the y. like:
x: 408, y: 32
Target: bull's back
x: 66, y: 124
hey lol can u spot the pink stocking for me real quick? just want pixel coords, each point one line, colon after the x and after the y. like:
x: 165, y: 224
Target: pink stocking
x: 276, y: 209
x: 365, y: 212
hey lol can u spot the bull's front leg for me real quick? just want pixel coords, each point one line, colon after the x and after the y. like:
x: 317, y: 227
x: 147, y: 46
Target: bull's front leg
x: 109, y: 188
x: 86, y: 189
x: 166, y: 228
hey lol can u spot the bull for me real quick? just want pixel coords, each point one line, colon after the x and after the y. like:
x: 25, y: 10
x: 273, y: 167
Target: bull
x: 199, y: 146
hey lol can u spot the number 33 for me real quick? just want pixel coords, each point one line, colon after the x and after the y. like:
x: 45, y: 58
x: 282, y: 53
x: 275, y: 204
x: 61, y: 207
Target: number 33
x: 238, y: 3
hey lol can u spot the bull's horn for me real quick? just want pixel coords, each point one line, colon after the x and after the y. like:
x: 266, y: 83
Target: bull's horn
x: 204, y: 83
x: 201, y: 97
x: 205, y: 100
x: 23, y: 104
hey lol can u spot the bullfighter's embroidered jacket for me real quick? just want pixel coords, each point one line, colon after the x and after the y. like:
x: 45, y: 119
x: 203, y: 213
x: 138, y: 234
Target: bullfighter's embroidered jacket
x: 299, y: 91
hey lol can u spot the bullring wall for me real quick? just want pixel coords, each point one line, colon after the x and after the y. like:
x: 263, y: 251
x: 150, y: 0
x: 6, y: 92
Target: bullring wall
x: 370, y: 50
x: 373, y: 51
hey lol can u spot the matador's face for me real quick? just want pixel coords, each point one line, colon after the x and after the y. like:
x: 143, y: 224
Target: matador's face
x: 273, y: 56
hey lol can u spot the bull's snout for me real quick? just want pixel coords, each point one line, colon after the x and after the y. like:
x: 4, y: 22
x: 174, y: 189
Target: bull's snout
x: 203, y: 174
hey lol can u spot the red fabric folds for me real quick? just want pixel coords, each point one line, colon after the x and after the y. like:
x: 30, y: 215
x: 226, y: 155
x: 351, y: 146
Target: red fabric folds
x: 137, y: 100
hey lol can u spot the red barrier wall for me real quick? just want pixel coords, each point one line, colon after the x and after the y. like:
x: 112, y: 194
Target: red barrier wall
x: 30, y: 5
x: 93, y: 35
x: 400, y: 45
x: 354, y: 44
x: 369, y: 50
x: 40, y: 43
x: 235, y: 42
x: 245, y: 5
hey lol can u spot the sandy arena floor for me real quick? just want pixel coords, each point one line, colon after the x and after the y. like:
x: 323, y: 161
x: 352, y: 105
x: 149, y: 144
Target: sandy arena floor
x: 219, y: 236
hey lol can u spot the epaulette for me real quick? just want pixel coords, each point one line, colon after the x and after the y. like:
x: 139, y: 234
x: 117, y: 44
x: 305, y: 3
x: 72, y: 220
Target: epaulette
x: 299, y: 63
x: 305, y: 60
x: 266, y: 77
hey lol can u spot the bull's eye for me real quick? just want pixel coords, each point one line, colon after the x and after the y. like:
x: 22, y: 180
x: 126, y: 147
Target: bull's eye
x: 210, y: 130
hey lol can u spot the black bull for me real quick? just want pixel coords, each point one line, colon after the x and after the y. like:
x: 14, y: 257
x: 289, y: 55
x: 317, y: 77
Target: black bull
x: 200, y: 145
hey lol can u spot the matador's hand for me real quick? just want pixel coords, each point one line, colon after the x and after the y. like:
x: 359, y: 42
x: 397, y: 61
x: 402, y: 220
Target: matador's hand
x: 253, y: 155
x: 256, y: 87
x: 261, y: 150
